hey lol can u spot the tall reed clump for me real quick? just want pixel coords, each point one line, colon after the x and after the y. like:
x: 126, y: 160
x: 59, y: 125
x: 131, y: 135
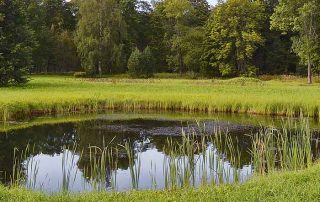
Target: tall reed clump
x: 287, y: 148
x: 103, y: 166
x: 23, y: 162
x: 196, y: 161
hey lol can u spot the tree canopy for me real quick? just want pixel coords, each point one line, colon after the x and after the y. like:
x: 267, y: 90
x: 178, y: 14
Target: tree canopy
x: 99, y: 37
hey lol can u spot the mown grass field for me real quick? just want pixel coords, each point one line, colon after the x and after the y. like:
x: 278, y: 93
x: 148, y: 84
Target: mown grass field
x: 62, y: 94
x: 285, y: 186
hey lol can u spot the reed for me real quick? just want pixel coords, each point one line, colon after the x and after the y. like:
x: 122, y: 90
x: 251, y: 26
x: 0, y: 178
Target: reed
x: 103, y: 165
x: 282, y: 149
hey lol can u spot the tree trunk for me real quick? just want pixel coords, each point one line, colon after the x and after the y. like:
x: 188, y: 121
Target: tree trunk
x: 309, y: 72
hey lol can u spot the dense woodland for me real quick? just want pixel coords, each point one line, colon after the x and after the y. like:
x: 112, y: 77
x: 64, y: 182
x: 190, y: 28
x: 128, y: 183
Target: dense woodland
x: 105, y: 37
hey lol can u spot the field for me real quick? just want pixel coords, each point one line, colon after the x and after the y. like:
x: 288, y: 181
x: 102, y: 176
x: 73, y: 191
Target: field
x: 65, y: 94
x: 285, y: 186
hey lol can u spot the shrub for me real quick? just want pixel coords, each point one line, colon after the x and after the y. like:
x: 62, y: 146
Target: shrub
x: 147, y: 62
x: 140, y: 64
x: 80, y: 74
x: 134, y: 63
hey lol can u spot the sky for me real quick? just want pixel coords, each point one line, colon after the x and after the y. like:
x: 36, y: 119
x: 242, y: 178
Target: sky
x: 212, y: 2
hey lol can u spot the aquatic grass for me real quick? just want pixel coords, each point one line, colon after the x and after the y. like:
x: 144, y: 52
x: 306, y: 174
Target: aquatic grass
x: 102, y: 162
x: 282, y: 149
x: 63, y: 95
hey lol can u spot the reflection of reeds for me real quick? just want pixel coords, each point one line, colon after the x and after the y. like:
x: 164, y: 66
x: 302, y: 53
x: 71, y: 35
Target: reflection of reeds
x: 134, y: 165
x: 68, y: 165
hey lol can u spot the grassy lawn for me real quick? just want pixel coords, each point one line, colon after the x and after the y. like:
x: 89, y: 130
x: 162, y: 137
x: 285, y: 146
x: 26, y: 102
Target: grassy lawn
x: 58, y: 94
x: 287, y: 186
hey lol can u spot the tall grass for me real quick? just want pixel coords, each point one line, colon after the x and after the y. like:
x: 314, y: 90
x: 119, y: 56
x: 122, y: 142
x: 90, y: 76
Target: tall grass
x: 58, y: 95
x: 283, y: 149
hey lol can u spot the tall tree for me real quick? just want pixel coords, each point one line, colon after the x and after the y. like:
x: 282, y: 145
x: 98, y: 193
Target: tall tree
x: 177, y: 11
x: 275, y: 57
x: 16, y: 43
x: 200, y: 13
x: 52, y: 22
x: 303, y: 18
x: 100, y: 36
x: 233, y: 36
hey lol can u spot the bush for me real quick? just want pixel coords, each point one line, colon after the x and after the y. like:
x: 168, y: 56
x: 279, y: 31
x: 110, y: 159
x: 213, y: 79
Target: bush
x: 147, y: 63
x: 13, y: 76
x: 134, y: 63
x: 141, y: 64
x: 80, y: 74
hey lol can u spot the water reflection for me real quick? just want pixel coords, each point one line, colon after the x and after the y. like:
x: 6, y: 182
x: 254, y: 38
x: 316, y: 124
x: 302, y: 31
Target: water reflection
x: 147, y: 137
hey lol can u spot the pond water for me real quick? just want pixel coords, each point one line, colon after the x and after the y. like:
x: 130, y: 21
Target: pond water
x: 61, y: 154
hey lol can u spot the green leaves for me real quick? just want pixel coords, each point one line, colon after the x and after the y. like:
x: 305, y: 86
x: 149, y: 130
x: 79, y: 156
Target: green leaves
x: 16, y: 44
x: 100, y: 36
x: 233, y: 36
x: 303, y: 18
x: 141, y: 64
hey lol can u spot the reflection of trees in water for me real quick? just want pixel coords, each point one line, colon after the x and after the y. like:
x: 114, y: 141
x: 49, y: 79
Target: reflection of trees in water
x: 46, y: 139
x: 95, y: 138
x: 51, y: 139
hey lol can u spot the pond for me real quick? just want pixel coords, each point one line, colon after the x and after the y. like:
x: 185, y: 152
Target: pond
x: 125, y: 151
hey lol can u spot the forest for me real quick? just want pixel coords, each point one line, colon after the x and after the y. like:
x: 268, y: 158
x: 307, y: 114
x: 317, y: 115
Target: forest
x: 92, y: 38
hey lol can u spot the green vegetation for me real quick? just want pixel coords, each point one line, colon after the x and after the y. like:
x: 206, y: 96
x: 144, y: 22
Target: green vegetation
x: 16, y: 43
x: 230, y: 38
x: 63, y: 94
x: 140, y: 64
x: 233, y: 41
x: 287, y: 186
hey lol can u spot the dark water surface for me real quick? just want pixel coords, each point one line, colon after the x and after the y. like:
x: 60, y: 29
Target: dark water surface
x: 62, y: 148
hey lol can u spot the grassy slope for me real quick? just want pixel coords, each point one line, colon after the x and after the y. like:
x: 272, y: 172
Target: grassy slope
x: 62, y: 93
x: 288, y: 186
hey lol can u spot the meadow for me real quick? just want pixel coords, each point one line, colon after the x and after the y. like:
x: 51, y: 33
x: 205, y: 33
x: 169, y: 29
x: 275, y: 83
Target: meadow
x: 45, y: 95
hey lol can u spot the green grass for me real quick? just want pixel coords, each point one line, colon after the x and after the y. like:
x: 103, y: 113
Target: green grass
x: 63, y: 94
x: 285, y: 186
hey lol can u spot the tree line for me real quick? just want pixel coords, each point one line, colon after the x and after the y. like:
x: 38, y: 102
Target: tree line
x: 102, y: 37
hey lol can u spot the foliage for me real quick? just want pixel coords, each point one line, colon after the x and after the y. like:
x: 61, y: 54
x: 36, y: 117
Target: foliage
x: 141, y: 64
x: 16, y: 44
x: 301, y: 17
x: 134, y: 63
x: 233, y: 36
x: 80, y: 74
x: 99, y: 36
